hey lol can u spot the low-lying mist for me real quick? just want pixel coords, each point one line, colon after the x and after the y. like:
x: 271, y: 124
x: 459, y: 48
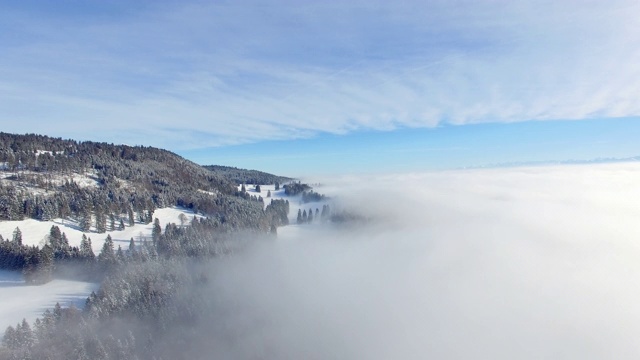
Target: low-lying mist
x: 520, y: 263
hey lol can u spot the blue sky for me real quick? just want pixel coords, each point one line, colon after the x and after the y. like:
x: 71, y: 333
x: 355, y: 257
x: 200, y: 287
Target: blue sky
x: 317, y: 87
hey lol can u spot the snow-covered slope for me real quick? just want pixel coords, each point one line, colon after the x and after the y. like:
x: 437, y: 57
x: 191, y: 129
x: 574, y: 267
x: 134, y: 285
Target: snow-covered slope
x: 34, y: 232
x: 20, y: 301
x: 295, y: 202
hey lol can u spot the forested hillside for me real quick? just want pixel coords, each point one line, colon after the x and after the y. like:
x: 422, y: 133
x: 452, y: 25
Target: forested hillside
x: 148, y: 289
x: 242, y: 176
x: 101, y: 184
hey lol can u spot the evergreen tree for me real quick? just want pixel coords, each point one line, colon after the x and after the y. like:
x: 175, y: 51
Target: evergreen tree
x: 277, y: 186
x: 101, y: 222
x: 107, y: 256
x: 258, y: 188
x: 86, y: 250
x: 55, y: 237
x: 17, y: 236
x: 10, y: 338
x: 310, y: 216
x: 157, y: 231
x: 132, y: 220
x: 183, y: 219
x: 24, y: 335
x: 299, y: 219
x: 85, y: 221
x: 120, y: 255
x: 268, y: 193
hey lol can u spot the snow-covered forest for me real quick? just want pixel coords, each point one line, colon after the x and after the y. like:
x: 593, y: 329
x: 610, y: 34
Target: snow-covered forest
x: 134, y: 226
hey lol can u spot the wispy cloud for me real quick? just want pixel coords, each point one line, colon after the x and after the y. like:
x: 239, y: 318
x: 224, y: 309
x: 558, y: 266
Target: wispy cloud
x: 243, y: 72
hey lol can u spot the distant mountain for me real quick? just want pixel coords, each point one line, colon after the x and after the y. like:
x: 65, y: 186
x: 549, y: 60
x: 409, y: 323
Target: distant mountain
x: 242, y: 176
x: 98, y: 184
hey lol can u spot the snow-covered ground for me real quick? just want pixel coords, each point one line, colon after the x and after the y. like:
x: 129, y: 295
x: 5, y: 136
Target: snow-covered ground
x: 20, y: 301
x: 295, y: 202
x: 29, y: 302
x: 35, y: 232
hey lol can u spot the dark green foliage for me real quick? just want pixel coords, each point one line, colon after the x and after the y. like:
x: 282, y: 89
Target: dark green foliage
x: 278, y: 211
x: 294, y: 189
x: 129, y: 180
x: 312, y: 196
x: 17, y: 236
x: 242, y: 176
x: 144, y: 285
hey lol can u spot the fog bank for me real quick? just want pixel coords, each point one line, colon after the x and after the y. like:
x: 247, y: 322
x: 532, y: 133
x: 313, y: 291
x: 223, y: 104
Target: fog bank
x: 523, y: 263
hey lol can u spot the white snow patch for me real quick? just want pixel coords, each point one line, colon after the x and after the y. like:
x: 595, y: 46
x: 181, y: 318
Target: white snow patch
x: 34, y: 232
x: 212, y: 193
x: 20, y: 301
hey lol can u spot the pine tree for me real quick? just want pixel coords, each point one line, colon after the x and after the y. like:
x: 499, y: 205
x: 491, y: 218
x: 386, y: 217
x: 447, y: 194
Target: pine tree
x: 258, y: 188
x: 132, y: 246
x: 183, y: 219
x: 85, y: 221
x: 107, y: 256
x: 268, y: 193
x: 120, y: 255
x: 10, y: 338
x: 17, y: 236
x: 299, y: 219
x: 24, y: 335
x: 310, y: 216
x: 55, y: 237
x: 157, y: 231
x: 132, y: 220
x: 101, y: 222
x: 86, y: 250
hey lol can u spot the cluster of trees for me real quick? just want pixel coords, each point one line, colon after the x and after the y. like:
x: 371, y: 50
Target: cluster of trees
x: 305, y: 217
x: 35, y: 263
x: 57, y: 258
x: 131, y: 182
x: 295, y: 188
x: 308, y: 195
x: 242, y: 176
x: 147, y: 290
x: 312, y: 196
x: 151, y: 291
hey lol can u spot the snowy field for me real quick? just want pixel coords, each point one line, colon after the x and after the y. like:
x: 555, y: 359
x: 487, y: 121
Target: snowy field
x: 295, y: 202
x: 29, y: 302
x: 19, y: 301
x: 35, y: 232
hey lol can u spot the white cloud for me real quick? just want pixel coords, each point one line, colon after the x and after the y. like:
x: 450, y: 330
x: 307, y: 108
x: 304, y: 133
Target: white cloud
x: 290, y: 70
x: 523, y: 263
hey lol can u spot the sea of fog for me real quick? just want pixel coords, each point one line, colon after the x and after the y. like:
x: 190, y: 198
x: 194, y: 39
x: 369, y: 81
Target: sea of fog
x: 512, y: 263
x: 517, y: 263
